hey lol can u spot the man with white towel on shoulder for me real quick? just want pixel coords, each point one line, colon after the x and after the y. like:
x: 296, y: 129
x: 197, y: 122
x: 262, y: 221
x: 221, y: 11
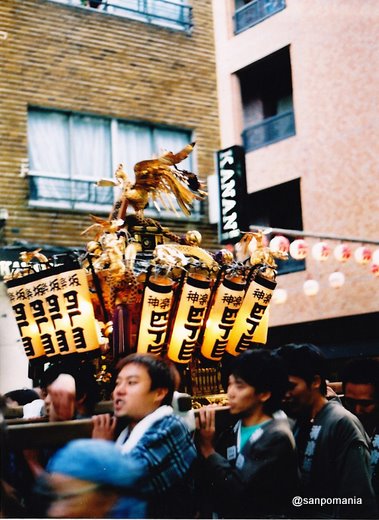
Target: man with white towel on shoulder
x: 154, y: 436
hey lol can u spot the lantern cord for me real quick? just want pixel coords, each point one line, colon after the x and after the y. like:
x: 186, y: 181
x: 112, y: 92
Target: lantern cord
x: 298, y: 233
x: 99, y: 291
x: 146, y: 281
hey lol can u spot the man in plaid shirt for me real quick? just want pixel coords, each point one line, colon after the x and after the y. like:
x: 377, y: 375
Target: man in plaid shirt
x: 154, y: 437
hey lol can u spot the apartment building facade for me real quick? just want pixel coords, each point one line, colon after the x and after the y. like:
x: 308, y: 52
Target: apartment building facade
x: 86, y: 86
x: 297, y: 94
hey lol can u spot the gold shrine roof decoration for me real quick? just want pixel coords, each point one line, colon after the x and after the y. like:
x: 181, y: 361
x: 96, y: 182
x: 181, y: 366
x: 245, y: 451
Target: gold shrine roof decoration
x: 159, y: 179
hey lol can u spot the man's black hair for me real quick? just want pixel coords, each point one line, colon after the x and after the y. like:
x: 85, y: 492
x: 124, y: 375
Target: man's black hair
x: 162, y: 373
x: 306, y: 361
x: 363, y: 371
x: 265, y: 372
x: 22, y: 396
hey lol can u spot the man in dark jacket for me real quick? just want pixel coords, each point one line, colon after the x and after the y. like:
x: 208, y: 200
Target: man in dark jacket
x: 252, y: 470
x: 333, y: 447
x: 360, y: 382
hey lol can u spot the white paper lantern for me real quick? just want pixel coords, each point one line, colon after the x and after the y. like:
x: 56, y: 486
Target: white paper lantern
x: 375, y: 257
x: 363, y: 255
x: 375, y: 269
x: 336, y: 279
x: 279, y: 296
x: 342, y: 253
x: 279, y: 244
x: 247, y: 326
x: 189, y: 318
x: 321, y: 251
x: 299, y: 249
x: 311, y: 287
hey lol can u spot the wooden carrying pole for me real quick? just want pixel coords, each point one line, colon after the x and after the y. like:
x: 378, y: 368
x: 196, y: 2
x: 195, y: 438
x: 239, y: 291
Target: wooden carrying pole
x: 23, y: 434
x: 47, y: 434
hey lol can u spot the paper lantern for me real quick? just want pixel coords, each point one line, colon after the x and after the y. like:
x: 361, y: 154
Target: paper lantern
x: 279, y: 244
x: 311, y: 287
x: 375, y: 263
x: 299, y: 249
x: 363, y: 255
x: 189, y: 318
x: 375, y: 257
x: 257, y: 298
x: 260, y: 334
x: 342, y: 253
x: 53, y: 312
x: 227, y: 302
x: 321, y: 251
x: 157, y: 300
x: 336, y: 279
x: 279, y: 296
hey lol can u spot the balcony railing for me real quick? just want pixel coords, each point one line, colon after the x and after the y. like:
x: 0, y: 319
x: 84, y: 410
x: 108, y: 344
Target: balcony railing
x: 255, y: 12
x: 269, y: 131
x: 58, y: 192
x: 47, y: 191
x: 172, y: 14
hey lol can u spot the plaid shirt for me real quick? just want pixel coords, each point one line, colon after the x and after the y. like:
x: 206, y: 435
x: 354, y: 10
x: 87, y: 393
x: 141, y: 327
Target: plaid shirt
x: 166, y: 453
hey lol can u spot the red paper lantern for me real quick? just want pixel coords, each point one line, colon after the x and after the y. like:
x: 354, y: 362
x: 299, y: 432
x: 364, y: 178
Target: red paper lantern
x: 363, y: 255
x: 321, y: 251
x: 279, y: 244
x: 375, y: 257
x: 299, y: 249
x: 342, y: 253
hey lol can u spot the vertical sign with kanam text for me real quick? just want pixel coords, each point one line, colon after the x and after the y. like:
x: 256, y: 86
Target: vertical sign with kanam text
x: 233, y: 193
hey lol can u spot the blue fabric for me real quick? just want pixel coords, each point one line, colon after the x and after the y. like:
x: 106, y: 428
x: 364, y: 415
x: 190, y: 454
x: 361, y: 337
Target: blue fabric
x: 129, y: 507
x: 155, y: 473
x: 246, y: 433
x: 97, y: 461
x: 101, y: 462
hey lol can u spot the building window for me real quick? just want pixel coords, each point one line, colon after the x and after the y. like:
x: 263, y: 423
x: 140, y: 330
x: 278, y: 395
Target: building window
x: 173, y: 14
x: 69, y: 152
x: 266, y: 93
x: 279, y: 207
x: 250, y: 12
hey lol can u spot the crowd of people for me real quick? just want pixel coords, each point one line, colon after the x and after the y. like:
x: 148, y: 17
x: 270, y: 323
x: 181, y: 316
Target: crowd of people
x: 293, y: 449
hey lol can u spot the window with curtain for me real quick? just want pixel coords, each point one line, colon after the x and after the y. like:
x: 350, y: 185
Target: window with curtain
x: 69, y: 152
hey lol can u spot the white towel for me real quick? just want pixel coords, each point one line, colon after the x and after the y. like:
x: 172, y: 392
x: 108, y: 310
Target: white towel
x: 140, y: 428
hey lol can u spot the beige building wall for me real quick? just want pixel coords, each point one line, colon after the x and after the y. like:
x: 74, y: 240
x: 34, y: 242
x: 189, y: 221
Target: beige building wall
x: 334, y: 49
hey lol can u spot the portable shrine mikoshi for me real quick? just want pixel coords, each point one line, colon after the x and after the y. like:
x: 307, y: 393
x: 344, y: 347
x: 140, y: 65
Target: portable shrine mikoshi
x: 140, y: 287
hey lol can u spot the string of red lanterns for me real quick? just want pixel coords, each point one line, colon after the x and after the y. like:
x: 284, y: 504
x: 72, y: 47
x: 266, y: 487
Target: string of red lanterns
x: 321, y: 251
